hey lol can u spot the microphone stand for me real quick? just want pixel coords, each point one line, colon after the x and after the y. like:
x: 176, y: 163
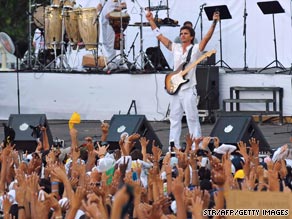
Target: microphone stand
x: 201, y: 21
x: 17, y: 78
x: 95, y: 54
x: 244, y: 34
x: 133, y: 46
x: 29, y: 34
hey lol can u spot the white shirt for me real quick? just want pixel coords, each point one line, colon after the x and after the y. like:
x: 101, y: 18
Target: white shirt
x: 38, y: 39
x: 179, y: 57
x: 108, y: 7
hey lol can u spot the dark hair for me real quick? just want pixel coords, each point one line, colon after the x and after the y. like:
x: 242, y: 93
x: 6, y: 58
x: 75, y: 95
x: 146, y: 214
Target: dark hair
x: 188, y: 23
x: 136, y: 154
x: 191, y: 30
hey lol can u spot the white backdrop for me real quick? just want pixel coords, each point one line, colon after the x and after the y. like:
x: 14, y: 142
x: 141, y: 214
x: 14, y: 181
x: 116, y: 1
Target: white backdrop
x: 99, y: 96
x: 260, y: 44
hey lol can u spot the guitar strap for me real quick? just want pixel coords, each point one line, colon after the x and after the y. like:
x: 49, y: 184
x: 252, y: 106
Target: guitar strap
x: 188, y: 58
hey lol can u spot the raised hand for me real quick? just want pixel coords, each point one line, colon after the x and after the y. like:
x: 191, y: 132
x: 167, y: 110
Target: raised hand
x: 216, y: 141
x: 102, y: 150
x: 123, y: 166
x: 157, y: 152
x: 197, y: 207
x: 205, y: 142
x: 6, y: 206
x: 242, y: 149
x: 218, y: 174
x: 254, y: 144
x: 144, y: 142
x: 77, y: 197
x: 189, y: 142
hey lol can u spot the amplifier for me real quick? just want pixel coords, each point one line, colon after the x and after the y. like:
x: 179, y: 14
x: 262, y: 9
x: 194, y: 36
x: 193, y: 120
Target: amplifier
x: 209, y: 60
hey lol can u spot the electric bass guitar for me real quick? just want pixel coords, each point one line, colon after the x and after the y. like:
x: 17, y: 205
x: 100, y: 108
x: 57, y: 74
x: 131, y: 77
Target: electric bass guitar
x: 174, y: 80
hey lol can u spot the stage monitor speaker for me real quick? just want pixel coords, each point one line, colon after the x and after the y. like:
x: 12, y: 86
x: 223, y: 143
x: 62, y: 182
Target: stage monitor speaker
x: 208, y: 87
x: 131, y: 124
x: 157, y: 58
x: 23, y: 132
x: 232, y: 129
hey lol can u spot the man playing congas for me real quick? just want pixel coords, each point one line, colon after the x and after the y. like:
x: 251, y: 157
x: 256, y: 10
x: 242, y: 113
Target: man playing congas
x: 108, y: 34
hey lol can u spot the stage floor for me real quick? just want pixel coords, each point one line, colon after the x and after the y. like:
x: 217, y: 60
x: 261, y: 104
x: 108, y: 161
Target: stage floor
x: 276, y: 135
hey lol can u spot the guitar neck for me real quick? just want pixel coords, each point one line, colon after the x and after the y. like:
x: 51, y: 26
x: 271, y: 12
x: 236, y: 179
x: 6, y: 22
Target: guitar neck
x: 189, y: 67
x: 192, y: 65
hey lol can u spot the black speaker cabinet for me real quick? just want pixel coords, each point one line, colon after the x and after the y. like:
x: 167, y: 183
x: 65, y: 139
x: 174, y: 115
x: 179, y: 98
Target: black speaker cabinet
x: 232, y: 129
x: 23, y: 132
x: 208, y: 87
x: 130, y: 124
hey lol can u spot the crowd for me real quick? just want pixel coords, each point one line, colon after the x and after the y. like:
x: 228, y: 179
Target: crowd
x: 87, y: 180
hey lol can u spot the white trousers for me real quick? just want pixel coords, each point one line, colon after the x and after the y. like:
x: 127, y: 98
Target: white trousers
x: 108, y: 38
x: 185, y: 101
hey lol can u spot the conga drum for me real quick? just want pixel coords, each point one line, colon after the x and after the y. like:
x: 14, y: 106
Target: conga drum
x: 69, y: 4
x: 39, y: 17
x: 56, y: 4
x: 71, y: 26
x: 53, y: 27
x: 88, y: 25
x: 115, y: 19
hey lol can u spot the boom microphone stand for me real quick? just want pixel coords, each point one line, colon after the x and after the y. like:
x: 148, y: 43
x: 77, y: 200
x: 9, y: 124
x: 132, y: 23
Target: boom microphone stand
x: 201, y: 20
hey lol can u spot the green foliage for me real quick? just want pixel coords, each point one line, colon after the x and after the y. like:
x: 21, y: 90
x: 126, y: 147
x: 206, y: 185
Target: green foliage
x: 14, y: 19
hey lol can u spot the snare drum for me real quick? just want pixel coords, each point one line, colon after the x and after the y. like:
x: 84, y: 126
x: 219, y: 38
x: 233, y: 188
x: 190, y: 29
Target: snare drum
x: 115, y: 21
x: 53, y: 27
x: 38, y: 17
x: 69, y: 4
x: 71, y: 26
x: 88, y: 27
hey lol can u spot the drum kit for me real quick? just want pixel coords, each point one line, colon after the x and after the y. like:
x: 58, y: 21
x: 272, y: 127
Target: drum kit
x: 64, y: 26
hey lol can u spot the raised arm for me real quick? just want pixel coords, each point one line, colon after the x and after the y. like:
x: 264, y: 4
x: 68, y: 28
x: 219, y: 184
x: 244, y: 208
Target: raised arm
x: 164, y: 40
x: 207, y: 37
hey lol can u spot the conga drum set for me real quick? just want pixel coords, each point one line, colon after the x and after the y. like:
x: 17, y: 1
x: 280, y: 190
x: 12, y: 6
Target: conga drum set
x: 63, y: 24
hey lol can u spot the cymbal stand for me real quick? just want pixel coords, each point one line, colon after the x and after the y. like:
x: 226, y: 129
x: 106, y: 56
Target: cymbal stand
x: 142, y: 54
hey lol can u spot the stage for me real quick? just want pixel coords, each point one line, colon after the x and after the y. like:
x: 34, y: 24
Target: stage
x: 97, y: 96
